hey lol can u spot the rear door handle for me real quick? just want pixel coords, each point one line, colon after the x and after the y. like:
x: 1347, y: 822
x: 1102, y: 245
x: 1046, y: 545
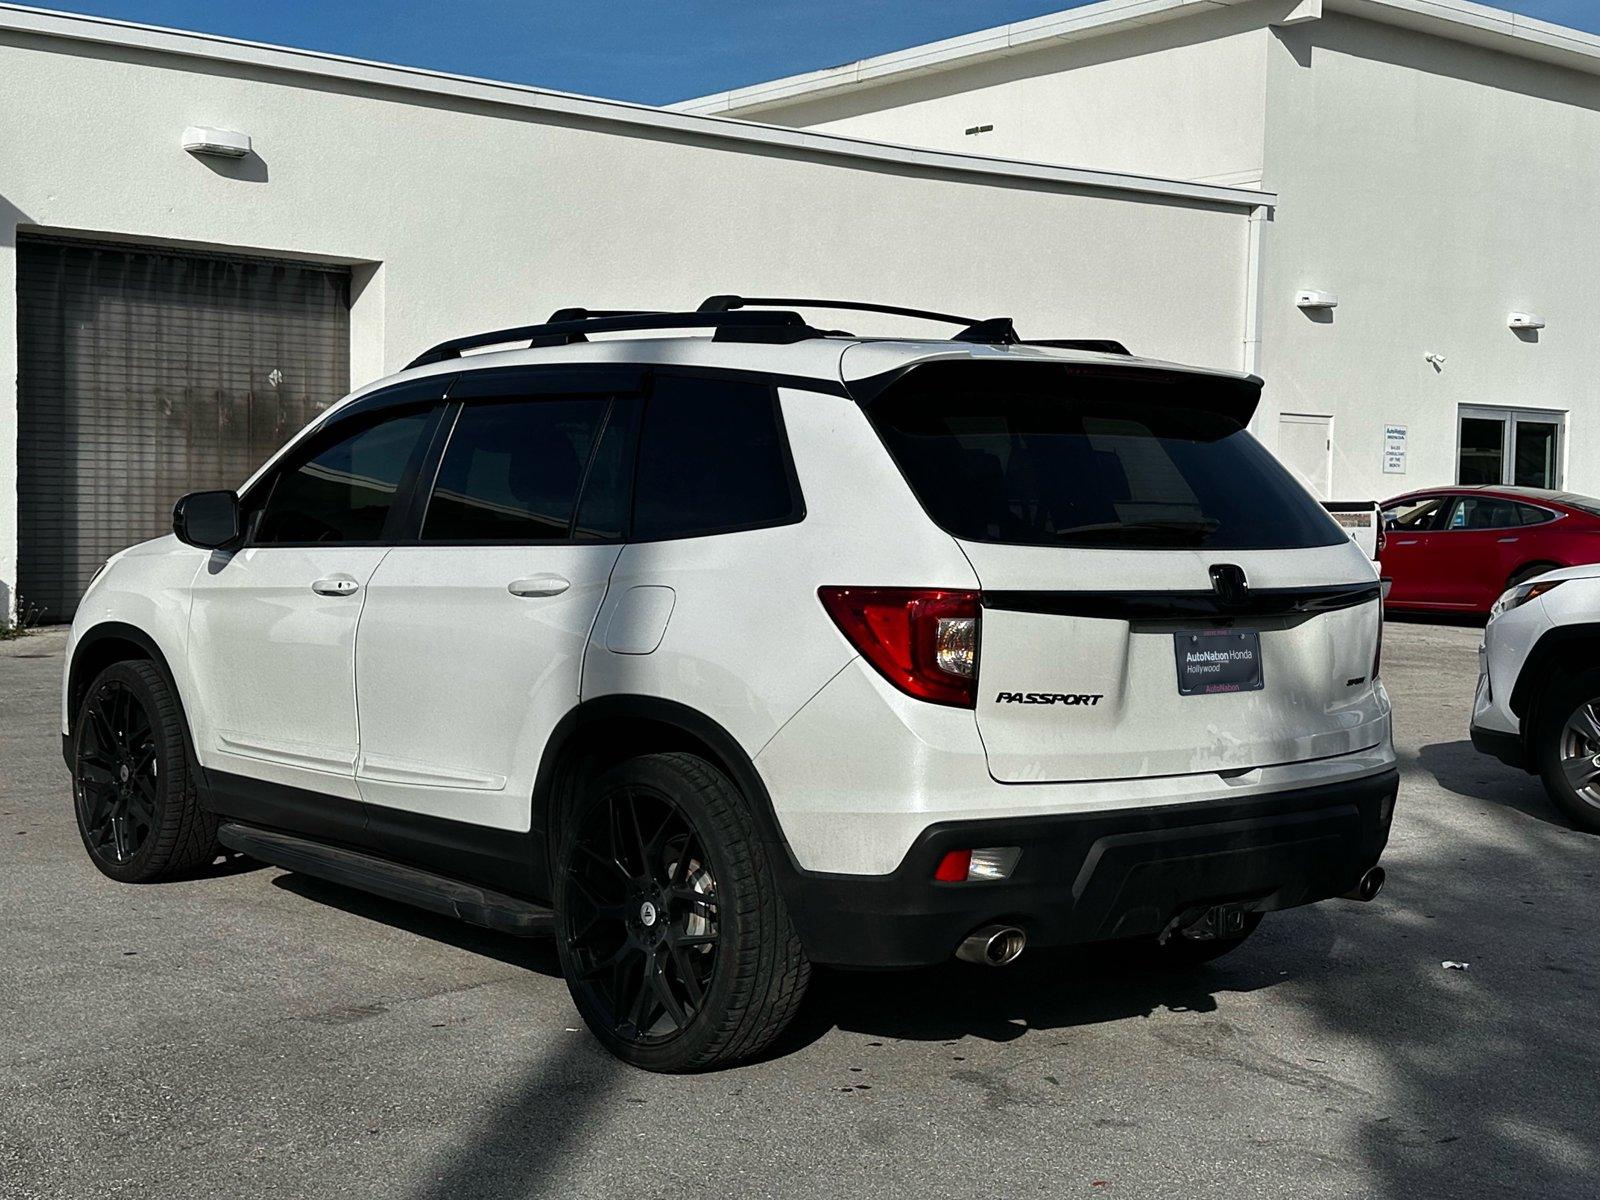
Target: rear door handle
x: 538, y: 585
x: 1509, y: 539
x: 335, y: 585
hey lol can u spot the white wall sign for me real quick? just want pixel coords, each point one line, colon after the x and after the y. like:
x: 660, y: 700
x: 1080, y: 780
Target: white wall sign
x: 1394, y: 449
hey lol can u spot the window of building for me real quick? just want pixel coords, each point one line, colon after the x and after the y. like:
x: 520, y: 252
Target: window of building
x: 1509, y: 446
x: 512, y: 470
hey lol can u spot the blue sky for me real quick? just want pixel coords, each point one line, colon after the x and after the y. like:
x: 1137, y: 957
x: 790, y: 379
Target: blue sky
x: 630, y: 49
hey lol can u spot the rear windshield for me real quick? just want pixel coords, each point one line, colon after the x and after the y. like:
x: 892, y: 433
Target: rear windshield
x: 1060, y: 456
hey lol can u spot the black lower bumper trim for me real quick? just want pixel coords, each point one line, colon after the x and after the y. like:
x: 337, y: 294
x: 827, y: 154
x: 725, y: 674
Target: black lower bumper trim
x: 1100, y: 876
x: 1507, y: 747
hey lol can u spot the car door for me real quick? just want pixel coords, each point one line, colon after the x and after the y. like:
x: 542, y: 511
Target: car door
x: 1408, y: 544
x: 472, y: 639
x: 1478, y: 549
x: 273, y: 624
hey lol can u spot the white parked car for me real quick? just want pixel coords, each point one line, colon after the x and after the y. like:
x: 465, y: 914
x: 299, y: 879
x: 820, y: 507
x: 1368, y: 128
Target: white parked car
x: 1538, y: 698
x: 717, y: 657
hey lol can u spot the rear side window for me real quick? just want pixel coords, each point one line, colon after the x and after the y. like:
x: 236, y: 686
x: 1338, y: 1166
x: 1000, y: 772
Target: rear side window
x: 712, y: 459
x: 512, y: 470
x: 343, y: 492
x: 1531, y: 514
x: 1068, y: 457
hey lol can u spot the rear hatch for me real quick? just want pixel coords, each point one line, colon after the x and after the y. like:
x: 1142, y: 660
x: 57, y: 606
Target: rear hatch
x: 1160, y: 596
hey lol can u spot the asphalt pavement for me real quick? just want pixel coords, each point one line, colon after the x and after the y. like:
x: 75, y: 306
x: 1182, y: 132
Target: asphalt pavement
x: 258, y: 1033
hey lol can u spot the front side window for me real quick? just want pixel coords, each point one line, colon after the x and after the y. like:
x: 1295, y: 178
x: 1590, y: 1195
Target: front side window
x: 512, y: 470
x: 712, y: 459
x: 1068, y: 457
x: 1417, y: 516
x: 344, y: 490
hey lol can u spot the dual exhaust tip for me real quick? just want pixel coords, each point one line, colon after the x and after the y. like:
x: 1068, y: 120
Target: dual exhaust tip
x: 993, y: 945
x: 1000, y: 945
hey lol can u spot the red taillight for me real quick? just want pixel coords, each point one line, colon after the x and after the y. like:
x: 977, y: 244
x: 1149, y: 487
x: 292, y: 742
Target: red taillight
x: 953, y: 866
x: 922, y: 640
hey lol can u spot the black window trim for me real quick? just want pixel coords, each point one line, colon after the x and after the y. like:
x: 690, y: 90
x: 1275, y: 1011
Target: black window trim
x: 797, y: 500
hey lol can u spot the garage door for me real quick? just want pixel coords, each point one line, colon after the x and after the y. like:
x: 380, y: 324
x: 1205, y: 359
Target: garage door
x: 147, y: 373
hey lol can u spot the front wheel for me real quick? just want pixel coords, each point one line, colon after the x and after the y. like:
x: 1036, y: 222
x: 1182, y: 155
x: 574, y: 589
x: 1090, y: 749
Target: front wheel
x: 135, y: 800
x: 1566, y: 747
x: 674, y: 940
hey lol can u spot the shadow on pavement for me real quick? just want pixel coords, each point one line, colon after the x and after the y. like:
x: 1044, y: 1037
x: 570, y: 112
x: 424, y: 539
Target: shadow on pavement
x: 1459, y: 768
x: 533, y: 954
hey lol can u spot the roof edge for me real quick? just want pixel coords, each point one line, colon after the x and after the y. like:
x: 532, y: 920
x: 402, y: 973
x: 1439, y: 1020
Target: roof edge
x: 1456, y: 20
x: 318, y: 64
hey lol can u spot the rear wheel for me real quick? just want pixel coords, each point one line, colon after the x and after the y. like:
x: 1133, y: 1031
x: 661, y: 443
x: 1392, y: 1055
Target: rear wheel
x: 675, y: 943
x: 1566, y: 746
x: 135, y: 800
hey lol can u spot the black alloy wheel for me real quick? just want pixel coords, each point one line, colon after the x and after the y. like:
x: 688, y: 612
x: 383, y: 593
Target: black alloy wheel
x: 117, y: 773
x: 640, y: 916
x: 133, y: 790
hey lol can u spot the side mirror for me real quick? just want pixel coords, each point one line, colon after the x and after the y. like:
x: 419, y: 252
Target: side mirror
x: 209, y: 520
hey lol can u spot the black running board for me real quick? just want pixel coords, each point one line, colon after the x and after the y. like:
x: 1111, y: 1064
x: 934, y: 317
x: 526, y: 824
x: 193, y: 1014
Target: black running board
x: 391, y: 880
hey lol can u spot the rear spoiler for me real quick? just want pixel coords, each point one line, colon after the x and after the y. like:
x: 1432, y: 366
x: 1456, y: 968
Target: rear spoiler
x: 1232, y: 396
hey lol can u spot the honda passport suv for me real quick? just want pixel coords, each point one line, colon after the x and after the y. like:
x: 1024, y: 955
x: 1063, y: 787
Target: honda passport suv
x: 717, y: 657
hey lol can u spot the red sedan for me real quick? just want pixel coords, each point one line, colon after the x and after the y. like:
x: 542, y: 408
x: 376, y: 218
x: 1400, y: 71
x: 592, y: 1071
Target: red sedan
x: 1455, y: 549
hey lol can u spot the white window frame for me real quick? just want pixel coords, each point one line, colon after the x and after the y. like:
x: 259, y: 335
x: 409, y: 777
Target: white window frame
x: 1510, y: 418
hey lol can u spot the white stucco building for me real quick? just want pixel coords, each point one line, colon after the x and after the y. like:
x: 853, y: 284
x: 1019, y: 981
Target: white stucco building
x: 167, y: 317
x: 1437, y: 169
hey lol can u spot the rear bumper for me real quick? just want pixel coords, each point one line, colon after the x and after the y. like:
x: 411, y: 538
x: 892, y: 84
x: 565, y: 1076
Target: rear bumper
x: 1086, y: 877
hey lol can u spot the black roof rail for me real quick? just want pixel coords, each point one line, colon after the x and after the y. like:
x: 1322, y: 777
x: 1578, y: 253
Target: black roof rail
x: 748, y: 326
x: 1102, y: 345
x: 991, y: 330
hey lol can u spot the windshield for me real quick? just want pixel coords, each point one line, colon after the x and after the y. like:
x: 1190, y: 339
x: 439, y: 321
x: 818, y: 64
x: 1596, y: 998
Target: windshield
x: 1056, y: 456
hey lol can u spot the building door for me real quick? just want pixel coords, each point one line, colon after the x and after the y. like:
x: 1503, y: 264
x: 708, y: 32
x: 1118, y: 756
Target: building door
x: 1520, y: 446
x: 1305, y: 445
x: 146, y: 373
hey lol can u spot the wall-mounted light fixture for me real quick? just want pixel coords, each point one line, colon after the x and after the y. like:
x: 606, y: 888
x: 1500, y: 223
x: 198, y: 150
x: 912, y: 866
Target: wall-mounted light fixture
x: 1307, y: 298
x: 223, y: 143
x: 1521, y: 320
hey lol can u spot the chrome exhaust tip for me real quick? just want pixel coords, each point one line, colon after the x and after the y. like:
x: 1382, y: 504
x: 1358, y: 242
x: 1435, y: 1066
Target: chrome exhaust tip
x: 1369, y: 887
x: 992, y: 946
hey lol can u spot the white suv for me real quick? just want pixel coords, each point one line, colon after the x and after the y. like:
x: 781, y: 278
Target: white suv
x: 721, y: 656
x: 1538, y: 699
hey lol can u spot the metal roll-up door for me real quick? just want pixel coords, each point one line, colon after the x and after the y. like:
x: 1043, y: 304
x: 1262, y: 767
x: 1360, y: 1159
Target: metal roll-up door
x: 146, y: 373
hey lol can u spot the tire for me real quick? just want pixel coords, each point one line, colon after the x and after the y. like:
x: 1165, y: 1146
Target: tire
x: 133, y: 794
x: 673, y: 937
x: 1566, y: 746
x: 1177, y: 953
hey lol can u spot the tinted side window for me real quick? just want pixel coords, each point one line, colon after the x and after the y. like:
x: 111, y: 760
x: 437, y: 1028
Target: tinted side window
x: 1533, y: 515
x: 1418, y: 515
x: 711, y: 459
x: 512, y: 469
x: 343, y: 492
x: 608, y: 488
x: 1482, y: 512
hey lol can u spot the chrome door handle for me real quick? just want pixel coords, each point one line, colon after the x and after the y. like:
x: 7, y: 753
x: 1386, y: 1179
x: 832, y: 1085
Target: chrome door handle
x: 1509, y: 539
x: 335, y: 585
x: 1405, y: 542
x: 538, y: 585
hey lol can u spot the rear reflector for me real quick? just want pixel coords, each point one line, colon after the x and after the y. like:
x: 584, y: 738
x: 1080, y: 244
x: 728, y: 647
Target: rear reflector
x: 923, y: 640
x: 974, y: 866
